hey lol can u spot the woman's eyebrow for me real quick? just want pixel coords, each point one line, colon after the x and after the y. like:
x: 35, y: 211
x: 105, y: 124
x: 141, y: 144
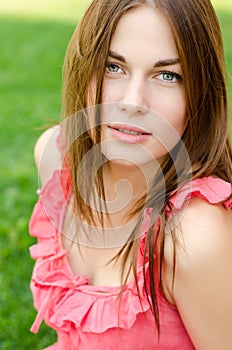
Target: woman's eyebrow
x: 160, y: 63
x: 167, y: 62
x: 117, y: 56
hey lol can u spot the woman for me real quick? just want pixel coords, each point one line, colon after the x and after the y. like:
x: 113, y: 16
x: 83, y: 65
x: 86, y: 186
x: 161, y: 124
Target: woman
x: 134, y: 232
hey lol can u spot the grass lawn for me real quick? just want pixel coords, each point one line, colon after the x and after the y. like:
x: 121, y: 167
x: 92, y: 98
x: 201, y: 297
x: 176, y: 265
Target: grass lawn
x: 33, y: 43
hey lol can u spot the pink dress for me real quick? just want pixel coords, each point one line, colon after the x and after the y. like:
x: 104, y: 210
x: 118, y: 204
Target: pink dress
x: 83, y: 316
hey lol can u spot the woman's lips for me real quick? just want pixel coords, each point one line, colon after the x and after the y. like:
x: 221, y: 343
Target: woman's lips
x: 129, y: 134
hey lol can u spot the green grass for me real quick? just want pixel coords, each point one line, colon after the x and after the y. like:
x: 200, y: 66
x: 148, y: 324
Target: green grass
x: 33, y: 43
x: 51, y: 10
x: 31, y: 59
x: 222, y: 4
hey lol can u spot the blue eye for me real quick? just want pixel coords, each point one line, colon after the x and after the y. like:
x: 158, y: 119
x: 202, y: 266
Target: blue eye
x: 170, y: 77
x: 113, y: 68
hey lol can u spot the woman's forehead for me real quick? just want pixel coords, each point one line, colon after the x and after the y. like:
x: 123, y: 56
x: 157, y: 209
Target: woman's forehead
x: 144, y: 32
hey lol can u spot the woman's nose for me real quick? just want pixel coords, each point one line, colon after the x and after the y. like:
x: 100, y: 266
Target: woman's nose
x: 134, y: 98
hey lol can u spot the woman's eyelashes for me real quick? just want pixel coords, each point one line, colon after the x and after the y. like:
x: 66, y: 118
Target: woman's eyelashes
x: 114, y: 69
x: 169, y: 77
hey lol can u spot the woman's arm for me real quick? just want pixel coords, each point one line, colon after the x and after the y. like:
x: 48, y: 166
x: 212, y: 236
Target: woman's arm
x: 46, y: 154
x: 203, y: 281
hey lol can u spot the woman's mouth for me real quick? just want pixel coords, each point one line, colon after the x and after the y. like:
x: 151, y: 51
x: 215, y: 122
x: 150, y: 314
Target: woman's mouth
x: 129, y: 134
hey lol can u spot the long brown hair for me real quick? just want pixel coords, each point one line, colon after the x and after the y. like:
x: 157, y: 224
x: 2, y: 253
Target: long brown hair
x: 197, y: 35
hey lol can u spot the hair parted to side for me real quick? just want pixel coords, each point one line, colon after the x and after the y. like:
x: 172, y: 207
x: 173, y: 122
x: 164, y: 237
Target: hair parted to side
x: 197, y: 35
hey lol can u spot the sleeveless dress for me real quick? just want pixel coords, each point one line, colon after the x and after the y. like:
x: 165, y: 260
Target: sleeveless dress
x: 86, y: 317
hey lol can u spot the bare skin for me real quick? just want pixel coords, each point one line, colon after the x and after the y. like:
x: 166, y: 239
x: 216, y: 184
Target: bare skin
x: 203, y: 281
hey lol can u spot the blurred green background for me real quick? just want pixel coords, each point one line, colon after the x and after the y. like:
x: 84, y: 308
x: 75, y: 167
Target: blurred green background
x: 34, y: 36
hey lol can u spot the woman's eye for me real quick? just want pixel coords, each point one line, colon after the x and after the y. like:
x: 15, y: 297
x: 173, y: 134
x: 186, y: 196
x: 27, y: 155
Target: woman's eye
x: 113, y: 68
x: 170, y: 77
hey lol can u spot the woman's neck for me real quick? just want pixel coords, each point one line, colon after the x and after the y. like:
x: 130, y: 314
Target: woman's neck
x: 126, y: 183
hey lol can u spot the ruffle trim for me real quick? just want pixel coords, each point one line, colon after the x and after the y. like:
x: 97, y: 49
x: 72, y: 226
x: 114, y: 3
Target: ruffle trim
x: 72, y: 303
x: 62, y: 299
x: 47, y: 217
x: 68, y: 302
x: 211, y: 189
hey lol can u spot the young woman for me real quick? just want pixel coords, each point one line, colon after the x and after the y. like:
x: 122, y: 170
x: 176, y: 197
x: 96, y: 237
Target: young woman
x: 134, y: 221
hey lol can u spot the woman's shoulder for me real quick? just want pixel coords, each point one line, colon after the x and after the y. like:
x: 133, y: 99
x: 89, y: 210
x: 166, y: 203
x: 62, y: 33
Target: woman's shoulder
x: 202, y: 219
x: 205, y: 223
x: 47, y: 154
x: 203, y: 275
x: 202, y: 205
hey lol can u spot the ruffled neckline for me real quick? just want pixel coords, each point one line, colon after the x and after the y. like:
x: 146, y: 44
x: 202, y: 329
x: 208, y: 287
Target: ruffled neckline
x: 62, y: 298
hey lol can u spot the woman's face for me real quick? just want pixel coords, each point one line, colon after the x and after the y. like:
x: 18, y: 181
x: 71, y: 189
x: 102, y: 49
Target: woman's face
x: 144, y: 109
